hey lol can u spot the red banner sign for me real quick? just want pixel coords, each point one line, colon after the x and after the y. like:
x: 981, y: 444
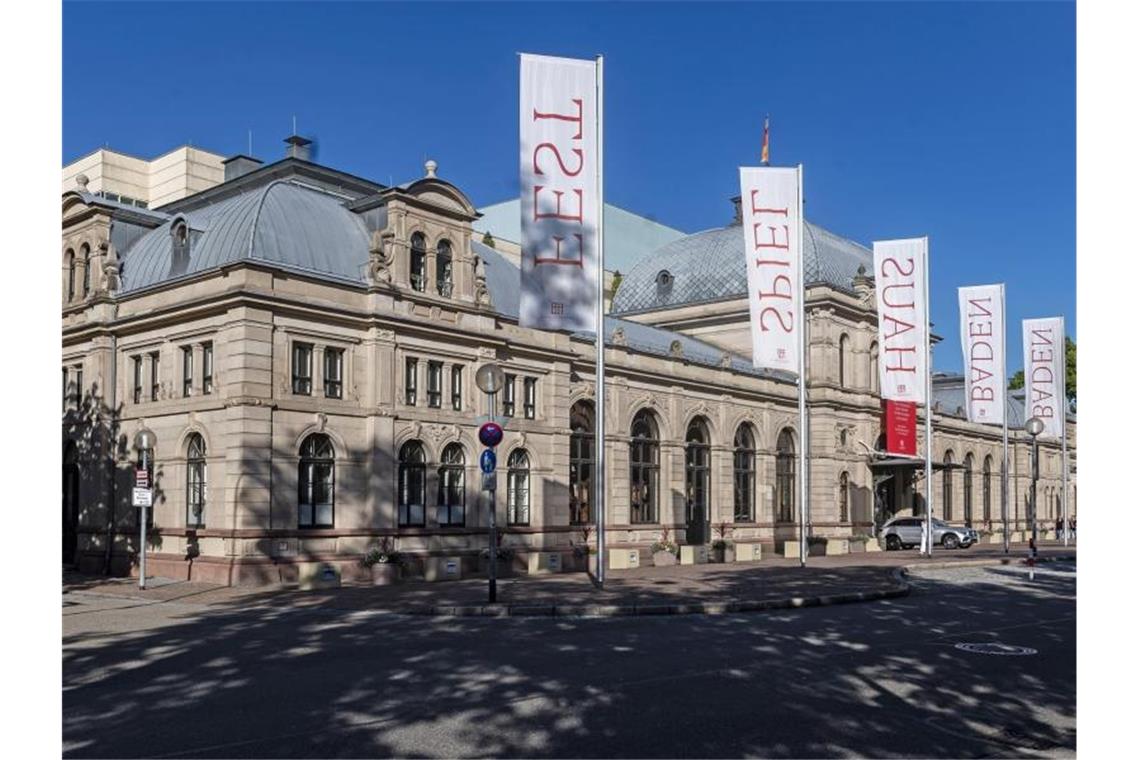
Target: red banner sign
x: 899, y: 423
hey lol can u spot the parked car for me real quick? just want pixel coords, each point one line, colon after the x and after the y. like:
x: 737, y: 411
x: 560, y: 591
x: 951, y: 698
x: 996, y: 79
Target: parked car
x: 906, y: 532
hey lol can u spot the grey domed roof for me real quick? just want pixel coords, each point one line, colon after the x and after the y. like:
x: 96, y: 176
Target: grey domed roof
x: 709, y: 266
x: 283, y: 223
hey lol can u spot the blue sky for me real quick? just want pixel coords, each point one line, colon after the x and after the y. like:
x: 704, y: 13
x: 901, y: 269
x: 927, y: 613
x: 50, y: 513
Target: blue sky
x: 953, y: 120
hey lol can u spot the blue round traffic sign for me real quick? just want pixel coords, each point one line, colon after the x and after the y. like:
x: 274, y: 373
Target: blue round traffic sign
x: 487, y: 461
x: 490, y: 434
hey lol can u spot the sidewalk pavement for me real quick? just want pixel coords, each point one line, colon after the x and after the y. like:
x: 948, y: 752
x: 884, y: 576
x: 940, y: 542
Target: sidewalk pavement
x: 773, y: 583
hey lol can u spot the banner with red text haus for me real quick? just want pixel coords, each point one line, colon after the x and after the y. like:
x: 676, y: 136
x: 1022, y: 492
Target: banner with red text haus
x: 1043, y: 341
x: 981, y: 312
x: 770, y: 209
x: 900, y: 288
x: 558, y: 176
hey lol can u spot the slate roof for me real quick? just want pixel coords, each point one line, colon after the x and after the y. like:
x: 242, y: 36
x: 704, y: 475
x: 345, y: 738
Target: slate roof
x: 710, y: 266
x: 283, y: 223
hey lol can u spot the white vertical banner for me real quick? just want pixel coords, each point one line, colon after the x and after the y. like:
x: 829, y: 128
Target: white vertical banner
x: 770, y: 209
x: 1043, y: 341
x: 900, y: 277
x: 558, y: 179
x: 981, y: 314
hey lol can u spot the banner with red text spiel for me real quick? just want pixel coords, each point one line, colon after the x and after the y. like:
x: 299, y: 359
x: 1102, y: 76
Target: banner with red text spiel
x: 770, y: 208
x: 1043, y: 341
x: 900, y: 282
x: 558, y: 177
x: 981, y: 312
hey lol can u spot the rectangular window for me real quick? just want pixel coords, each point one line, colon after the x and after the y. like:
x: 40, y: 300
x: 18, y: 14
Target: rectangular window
x: 207, y: 368
x: 65, y: 393
x: 528, y: 397
x: 187, y: 370
x: 411, y: 369
x: 78, y: 386
x: 154, y: 376
x: 303, y: 368
x: 509, y: 396
x: 457, y: 387
x: 435, y: 384
x: 137, y: 385
x: 334, y: 373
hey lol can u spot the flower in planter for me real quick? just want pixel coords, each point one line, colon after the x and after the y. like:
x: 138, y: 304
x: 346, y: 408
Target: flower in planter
x: 382, y: 554
x: 664, y: 544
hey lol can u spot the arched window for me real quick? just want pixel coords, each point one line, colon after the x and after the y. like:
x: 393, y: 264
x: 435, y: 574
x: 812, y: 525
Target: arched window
x: 785, y: 475
x: 844, y: 497
x: 873, y: 381
x: 70, y: 275
x: 518, y: 488
x: 195, y: 482
x: 451, y: 506
x: 987, y: 485
x: 581, y: 462
x: 844, y: 348
x: 743, y: 474
x: 948, y: 487
x: 443, y: 268
x: 419, y: 262
x: 643, y: 468
x: 968, y: 490
x: 412, y: 484
x: 315, y: 483
x: 697, y: 471
x: 86, y: 249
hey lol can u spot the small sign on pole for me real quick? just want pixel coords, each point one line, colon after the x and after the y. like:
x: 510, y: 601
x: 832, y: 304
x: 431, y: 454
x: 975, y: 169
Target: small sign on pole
x: 487, y: 461
x: 142, y: 478
x: 141, y: 497
x: 489, y: 481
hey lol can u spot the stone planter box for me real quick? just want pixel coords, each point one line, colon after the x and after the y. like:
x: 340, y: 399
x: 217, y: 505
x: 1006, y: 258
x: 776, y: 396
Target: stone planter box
x: 443, y: 569
x: 748, y: 552
x: 724, y: 554
x: 543, y: 563
x: 385, y: 574
x: 872, y: 545
x: 692, y: 555
x: 836, y: 546
x: 578, y: 563
x: 664, y: 559
x: 857, y: 547
x: 624, y: 559
x: 318, y: 575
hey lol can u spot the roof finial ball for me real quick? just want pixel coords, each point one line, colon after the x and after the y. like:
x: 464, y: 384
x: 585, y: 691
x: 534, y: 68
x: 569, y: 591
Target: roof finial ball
x: 81, y: 182
x: 429, y: 167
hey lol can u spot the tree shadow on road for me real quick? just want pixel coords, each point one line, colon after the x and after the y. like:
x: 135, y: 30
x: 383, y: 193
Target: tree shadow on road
x: 321, y: 681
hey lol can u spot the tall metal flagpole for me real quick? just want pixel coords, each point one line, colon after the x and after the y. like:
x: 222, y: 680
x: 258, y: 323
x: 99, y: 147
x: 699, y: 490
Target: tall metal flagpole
x: 803, y: 367
x: 600, y: 333
x: 1065, y: 439
x: 929, y: 423
x: 1004, y: 430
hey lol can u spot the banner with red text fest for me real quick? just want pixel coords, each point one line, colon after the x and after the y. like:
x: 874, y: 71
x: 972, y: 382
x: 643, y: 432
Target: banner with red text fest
x: 770, y: 208
x: 900, y: 287
x: 981, y: 311
x: 1044, y: 343
x: 558, y: 178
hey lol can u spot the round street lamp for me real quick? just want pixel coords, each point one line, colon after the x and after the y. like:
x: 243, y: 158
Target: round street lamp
x: 1035, y: 426
x: 145, y: 440
x: 490, y: 378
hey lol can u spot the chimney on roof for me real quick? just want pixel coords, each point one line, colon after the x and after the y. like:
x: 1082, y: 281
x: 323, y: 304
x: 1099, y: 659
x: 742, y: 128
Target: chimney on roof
x: 298, y: 147
x: 239, y: 165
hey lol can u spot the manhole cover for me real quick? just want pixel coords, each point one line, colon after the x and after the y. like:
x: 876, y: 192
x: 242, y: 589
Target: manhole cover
x: 997, y: 648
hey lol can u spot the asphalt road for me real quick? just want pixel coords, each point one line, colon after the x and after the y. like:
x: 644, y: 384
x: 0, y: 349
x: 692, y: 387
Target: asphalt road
x: 881, y: 679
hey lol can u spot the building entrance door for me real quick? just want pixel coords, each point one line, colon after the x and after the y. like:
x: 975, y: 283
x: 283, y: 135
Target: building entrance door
x: 885, y: 503
x: 70, y: 505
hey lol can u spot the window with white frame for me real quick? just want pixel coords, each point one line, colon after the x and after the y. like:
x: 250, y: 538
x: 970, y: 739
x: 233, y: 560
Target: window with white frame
x: 303, y: 368
x: 457, y: 387
x: 529, y: 397
x: 334, y: 373
x: 411, y: 372
x: 435, y: 384
x: 187, y: 370
x: 207, y: 368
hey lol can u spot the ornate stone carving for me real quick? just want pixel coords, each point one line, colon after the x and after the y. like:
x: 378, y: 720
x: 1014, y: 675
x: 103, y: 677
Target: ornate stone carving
x: 322, y: 420
x: 380, y: 258
x: 619, y: 337
x: 726, y: 359
x: 482, y: 294
x: 675, y: 349
x: 110, y: 282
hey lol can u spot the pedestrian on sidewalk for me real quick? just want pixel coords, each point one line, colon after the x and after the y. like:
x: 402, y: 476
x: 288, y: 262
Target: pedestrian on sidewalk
x: 1060, y: 527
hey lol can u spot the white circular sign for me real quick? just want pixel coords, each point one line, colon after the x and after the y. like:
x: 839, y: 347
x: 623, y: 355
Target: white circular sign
x: 995, y: 647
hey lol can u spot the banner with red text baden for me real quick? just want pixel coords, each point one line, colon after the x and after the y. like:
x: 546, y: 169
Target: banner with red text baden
x: 1043, y: 341
x: 558, y: 177
x: 900, y: 288
x: 770, y: 209
x: 981, y: 312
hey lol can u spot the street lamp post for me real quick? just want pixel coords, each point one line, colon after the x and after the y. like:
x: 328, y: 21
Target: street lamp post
x: 490, y: 379
x: 145, y: 439
x: 1034, y: 426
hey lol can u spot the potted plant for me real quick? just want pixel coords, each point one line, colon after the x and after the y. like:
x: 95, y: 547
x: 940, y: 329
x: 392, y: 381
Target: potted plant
x: 664, y: 550
x: 383, y: 562
x: 817, y: 545
x: 582, y: 550
x: 723, y: 548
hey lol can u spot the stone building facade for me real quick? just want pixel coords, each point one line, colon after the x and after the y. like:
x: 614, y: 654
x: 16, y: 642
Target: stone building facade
x: 303, y: 343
